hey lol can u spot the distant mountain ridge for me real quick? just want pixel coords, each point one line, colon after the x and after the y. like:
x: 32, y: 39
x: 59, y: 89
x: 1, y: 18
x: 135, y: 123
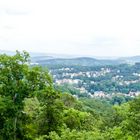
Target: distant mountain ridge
x: 54, y: 59
x: 83, y: 61
x: 131, y: 60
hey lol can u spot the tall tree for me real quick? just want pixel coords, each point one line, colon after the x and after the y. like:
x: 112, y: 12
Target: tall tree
x: 18, y: 81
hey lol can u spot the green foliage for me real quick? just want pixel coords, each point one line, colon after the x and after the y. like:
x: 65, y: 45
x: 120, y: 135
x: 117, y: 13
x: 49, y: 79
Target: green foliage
x: 17, y: 82
x: 76, y: 135
x: 32, y: 109
x: 78, y: 120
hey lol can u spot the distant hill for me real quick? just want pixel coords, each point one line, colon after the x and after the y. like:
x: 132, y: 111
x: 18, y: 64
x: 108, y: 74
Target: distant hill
x: 130, y: 60
x: 83, y: 61
x: 41, y: 58
x: 58, y: 59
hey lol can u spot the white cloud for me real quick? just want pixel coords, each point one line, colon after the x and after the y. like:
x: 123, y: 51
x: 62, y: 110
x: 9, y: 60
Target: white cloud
x: 86, y: 27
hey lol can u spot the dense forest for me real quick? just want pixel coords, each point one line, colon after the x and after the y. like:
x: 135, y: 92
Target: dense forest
x: 31, y: 108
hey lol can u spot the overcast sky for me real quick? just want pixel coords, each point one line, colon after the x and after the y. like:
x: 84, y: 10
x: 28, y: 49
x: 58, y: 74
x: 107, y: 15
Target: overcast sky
x: 82, y: 27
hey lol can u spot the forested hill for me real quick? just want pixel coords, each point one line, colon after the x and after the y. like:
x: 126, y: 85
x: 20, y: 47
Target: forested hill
x: 82, y: 61
x: 131, y: 60
x: 55, y: 59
